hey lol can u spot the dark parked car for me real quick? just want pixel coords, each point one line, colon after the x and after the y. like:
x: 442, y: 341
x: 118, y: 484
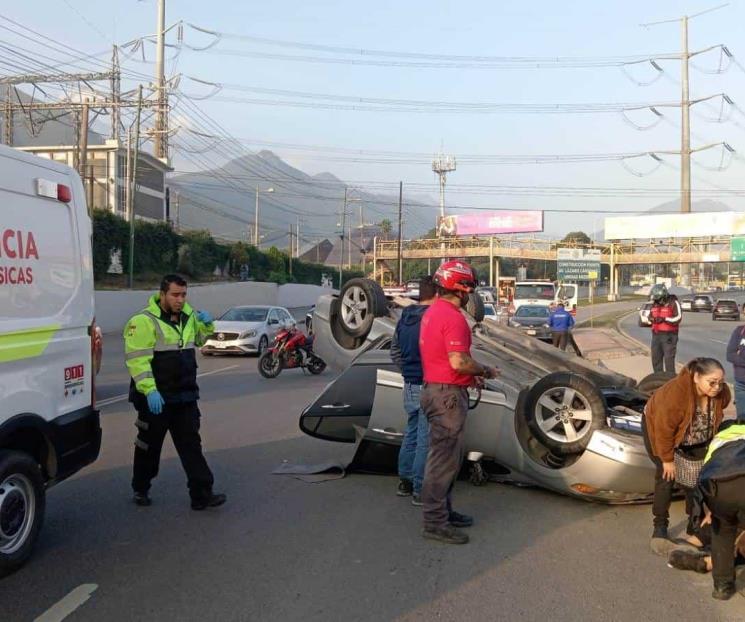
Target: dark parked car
x: 702, y: 302
x: 532, y: 320
x: 725, y: 309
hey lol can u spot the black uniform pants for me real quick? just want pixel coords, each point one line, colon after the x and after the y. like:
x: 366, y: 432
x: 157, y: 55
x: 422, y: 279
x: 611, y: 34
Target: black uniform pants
x: 664, y: 347
x: 182, y: 421
x: 446, y: 407
x: 727, y: 507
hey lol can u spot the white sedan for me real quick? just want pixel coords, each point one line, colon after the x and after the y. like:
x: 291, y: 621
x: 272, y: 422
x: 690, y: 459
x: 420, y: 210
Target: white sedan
x: 247, y: 330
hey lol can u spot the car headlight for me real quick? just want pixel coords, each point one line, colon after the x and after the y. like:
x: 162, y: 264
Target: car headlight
x: 246, y: 334
x: 546, y: 325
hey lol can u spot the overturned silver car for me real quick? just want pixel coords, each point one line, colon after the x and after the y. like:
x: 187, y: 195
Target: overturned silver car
x: 551, y: 419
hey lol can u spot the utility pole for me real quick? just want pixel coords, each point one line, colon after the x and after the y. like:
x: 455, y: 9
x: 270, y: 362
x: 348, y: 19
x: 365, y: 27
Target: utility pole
x: 341, y: 253
x: 256, y: 219
x: 160, y: 138
x: 442, y: 165
x: 289, y: 249
x: 685, y: 143
x: 133, y: 190
x: 400, y: 231
x: 8, y: 117
x: 83, y: 155
x: 178, y: 211
x: 116, y: 94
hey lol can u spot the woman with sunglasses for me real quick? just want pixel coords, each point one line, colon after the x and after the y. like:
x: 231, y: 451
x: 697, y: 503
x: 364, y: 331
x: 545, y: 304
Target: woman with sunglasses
x: 679, y: 421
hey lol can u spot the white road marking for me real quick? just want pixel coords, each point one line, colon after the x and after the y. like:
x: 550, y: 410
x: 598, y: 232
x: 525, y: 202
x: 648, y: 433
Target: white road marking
x: 717, y: 341
x: 63, y: 608
x: 118, y: 398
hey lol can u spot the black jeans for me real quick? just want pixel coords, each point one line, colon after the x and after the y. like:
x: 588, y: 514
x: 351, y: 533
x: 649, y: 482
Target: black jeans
x: 446, y: 407
x: 182, y: 421
x: 727, y: 507
x: 663, y: 495
x: 664, y: 347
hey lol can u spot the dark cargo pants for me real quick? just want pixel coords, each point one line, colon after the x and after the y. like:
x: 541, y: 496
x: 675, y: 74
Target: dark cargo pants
x: 728, y: 512
x: 182, y: 421
x: 664, y: 348
x: 446, y: 406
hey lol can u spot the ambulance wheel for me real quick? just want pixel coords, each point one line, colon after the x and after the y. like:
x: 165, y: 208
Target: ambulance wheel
x: 22, y: 504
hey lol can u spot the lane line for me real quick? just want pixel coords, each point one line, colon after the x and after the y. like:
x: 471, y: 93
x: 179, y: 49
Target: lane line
x: 63, y: 608
x: 118, y: 398
x: 717, y: 341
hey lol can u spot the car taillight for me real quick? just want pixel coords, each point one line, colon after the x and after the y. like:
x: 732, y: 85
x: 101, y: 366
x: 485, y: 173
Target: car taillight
x: 93, y: 335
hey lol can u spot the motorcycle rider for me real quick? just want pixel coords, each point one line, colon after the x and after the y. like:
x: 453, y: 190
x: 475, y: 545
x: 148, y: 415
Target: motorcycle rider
x: 445, y: 347
x: 665, y: 316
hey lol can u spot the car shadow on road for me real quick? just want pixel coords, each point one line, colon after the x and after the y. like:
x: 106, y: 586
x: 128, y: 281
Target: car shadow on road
x: 281, y: 549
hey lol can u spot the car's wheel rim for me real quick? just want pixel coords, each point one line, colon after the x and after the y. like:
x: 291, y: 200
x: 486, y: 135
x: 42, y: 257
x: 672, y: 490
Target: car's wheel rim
x: 563, y: 414
x: 262, y: 345
x: 354, y: 307
x: 17, y: 512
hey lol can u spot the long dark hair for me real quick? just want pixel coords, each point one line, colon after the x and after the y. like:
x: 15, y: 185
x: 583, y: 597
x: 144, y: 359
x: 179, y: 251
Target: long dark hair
x: 703, y: 366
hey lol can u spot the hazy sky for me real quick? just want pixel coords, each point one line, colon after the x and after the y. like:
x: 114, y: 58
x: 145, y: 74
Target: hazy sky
x: 584, y: 28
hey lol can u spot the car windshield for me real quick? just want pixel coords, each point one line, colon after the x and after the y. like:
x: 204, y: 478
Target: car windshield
x: 702, y: 298
x: 539, y: 291
x: 242, y: 314
x: 528, y: 311
x: 726, y: 303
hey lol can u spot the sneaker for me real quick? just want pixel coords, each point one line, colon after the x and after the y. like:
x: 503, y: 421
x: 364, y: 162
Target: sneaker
x: 142, y: 499
x: 416, y: 500
x: 447, y: 534
x: 456, y: 519
x: 212, y: 501
x: 724, y: 591
x: 405, y: 488
x: 687, y: 560
x: 660, y: 531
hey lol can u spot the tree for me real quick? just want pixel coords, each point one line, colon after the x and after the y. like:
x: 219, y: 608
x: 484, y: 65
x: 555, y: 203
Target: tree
x: 577, y: 237
x: 386, y: 226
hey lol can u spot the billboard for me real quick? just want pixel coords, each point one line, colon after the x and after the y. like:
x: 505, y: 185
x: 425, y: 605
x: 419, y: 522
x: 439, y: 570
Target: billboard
x: 488, y: 223
x: 675, y: 225
x: 578, y: 264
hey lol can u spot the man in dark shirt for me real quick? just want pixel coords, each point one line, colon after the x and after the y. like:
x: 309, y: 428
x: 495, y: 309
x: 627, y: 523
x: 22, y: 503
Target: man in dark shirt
x: 412, y: 456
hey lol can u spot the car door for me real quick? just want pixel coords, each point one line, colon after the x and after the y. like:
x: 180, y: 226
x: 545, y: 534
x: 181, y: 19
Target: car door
x: 272, y: 323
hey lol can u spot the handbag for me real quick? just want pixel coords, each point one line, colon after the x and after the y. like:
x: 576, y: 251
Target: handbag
x: 689, y: 459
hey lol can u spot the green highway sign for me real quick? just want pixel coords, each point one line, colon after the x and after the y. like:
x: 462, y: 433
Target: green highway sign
x: 737, y: 249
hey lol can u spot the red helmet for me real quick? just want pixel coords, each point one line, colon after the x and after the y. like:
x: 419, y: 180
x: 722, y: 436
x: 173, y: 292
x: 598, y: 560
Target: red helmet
x: 455, y: 276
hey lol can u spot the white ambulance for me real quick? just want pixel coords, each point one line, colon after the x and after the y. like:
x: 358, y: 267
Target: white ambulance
x: 49, y: 427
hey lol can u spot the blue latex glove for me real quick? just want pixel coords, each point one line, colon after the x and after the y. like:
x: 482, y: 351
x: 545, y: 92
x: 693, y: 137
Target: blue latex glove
x: 155, y: 402
x: 205, y: 317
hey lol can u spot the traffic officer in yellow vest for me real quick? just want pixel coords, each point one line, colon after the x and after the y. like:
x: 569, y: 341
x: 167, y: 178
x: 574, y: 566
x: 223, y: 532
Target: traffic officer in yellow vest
x: 159, y: 346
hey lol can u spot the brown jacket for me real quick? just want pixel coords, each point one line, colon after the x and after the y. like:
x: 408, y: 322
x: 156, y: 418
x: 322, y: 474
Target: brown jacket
x: 669, y: 413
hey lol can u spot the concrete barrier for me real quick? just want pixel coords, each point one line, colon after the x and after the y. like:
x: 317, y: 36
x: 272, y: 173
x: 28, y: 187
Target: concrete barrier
x: 115, y: 307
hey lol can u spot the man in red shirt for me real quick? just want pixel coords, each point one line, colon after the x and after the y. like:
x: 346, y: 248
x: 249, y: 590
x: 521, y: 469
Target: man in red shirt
x: 445, y: 346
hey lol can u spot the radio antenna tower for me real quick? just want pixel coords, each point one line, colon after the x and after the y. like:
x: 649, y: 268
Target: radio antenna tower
x: 442, y: 165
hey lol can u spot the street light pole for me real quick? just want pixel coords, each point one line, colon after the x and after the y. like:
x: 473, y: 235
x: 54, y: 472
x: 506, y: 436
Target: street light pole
x: 256, y: 216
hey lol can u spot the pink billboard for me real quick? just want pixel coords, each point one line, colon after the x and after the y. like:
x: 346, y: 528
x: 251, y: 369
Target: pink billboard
x: 487, y: 223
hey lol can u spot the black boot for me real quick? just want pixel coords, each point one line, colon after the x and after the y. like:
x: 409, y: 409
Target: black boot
x: 660, y: 531
x: 210, y: 501
x: 723, y: 591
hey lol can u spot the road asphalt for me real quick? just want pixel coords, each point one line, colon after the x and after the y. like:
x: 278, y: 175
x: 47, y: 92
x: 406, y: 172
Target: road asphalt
x: 350, y: 549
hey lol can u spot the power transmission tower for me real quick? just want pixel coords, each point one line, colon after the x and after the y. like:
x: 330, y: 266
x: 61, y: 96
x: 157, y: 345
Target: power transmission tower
x: 116, y: 94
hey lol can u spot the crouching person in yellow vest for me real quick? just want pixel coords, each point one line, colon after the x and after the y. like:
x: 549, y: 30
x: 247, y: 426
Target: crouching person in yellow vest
x: 159, y: 347
x: 721, y: 486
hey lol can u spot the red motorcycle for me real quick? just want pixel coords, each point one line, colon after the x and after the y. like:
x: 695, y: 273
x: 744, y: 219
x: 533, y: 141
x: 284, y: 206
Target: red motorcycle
x: 291, y: 348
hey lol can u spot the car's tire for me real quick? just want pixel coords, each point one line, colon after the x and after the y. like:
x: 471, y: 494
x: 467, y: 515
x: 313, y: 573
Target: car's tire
x: 360, y: 302
x: 269, y: 366
x: 649, y: 384
x: 263, y: 344
x: 475, y: 307
x: 563, y: 410
x: 22, y: 504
